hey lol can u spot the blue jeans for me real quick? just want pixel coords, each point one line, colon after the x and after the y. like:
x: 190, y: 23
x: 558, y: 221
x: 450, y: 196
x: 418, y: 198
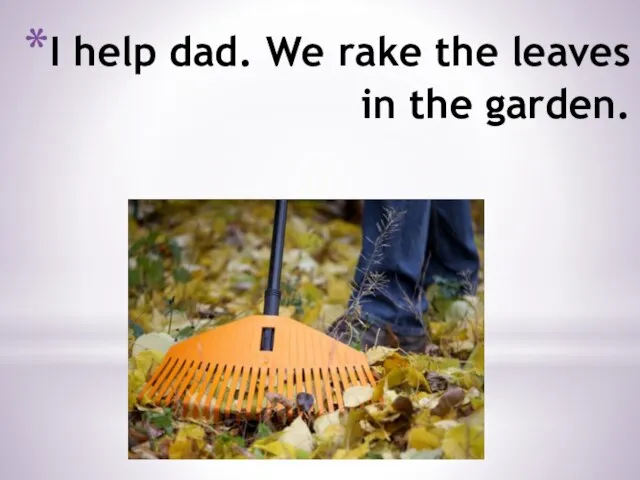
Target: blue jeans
x: 439, y: 232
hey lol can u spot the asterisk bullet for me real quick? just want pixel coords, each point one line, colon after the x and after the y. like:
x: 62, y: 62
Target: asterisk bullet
x: 36, y: 37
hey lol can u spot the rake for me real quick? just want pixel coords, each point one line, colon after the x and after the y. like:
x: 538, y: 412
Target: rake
x: 238, y: 368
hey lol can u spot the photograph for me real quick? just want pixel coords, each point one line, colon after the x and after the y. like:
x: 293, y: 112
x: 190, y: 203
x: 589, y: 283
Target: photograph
x: 306, y: 329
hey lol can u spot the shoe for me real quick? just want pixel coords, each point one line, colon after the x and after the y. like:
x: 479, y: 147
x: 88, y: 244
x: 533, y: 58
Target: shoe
x: 360, y: 334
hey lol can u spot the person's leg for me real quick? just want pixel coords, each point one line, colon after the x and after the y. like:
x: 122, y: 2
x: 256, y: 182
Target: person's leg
x: 399, y: 256
x: 452, y: 252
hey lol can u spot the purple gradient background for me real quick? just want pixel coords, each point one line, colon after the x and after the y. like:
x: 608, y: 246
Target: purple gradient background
x: 561, y: 227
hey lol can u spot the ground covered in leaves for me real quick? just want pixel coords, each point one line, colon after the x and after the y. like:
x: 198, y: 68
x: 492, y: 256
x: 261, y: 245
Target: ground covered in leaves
x: 196, y: 265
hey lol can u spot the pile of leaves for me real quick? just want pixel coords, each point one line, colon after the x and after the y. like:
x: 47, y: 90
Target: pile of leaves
x: 196, y: 265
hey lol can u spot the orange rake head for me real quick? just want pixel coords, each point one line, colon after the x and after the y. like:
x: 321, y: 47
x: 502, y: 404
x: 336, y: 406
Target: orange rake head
x: 233, y: 369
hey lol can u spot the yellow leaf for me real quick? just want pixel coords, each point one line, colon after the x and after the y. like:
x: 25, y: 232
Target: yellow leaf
x: 462, y: 346
x: 395, y: 361
x: 382, y: 414
x: 437, y: 329
x: 459, y: 311
x: 464, y: 442
x: 311, y: 315
x: 219, y: 225
x: 141, y: 367
x: 420, y: 438
x: 298, y: 435
x: 340, y: 228
x: 436, y: 364
x: 378, y: 391
x: 415, y: 379
x: 158, y: 321
x: 277, y: 449
x: 311, y: 293
x: 355, y: 396
x: 325, y: 421
x: 143, y: 319
x: 330, y: 438
x: 476, y: 360
x: 136, y: 382
x: 395, y: 377
x: 338, y: 290
x: 216, y: 260
x: 147, y: 361
x: 329, y: 314
x: 287, y: 311
x: 188, y: 443
x: 376, y: 435
x: 465, y: 378
x: 160, y: 342
x: 423, y: 419
x: 299, y: 236
x: 358, y: 452
x: 378, y: 354
x: 476, y: 419
x: 342, y: 252
x: 353, y: 430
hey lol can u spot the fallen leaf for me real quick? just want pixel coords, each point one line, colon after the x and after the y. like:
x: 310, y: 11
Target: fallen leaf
x: 137, y: 437
x: 287, y: 311
x: 324, y: 421
x: 403, y: 405
x: 298, y: 436
x: 278, y: 449
x: 378, y: 354
x: 463, y: 346
x: 382, y: 414
x: 458, y: 312
x: 390, y: 396
x: 428, y: 402
x: 147, y: 360
x: 476, y: 419
x: 329, y: 314
x: 338, y: 290
x: 367, y: 427
x: 448, y: 400
x: 475, y: 361
x: 415, y: 379
x: 355, y: 396
x: 158, y: 341
x: 446, y: 424
x: 353, y: 431
x: 463, y: 442
x: 144, y: 451
x: 141, y: 367
x: 413, y: 454
x: 158, y: 321
x: 312, y: 315
x: 305, y: 401
x: 437, y: 382
x: 188, y: 443
x: 419, y: 438
x: 355, y: 453
x: 394, y: 361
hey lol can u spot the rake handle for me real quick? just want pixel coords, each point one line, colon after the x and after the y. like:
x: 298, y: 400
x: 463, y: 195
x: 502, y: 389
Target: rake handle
x: 272, y: 293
